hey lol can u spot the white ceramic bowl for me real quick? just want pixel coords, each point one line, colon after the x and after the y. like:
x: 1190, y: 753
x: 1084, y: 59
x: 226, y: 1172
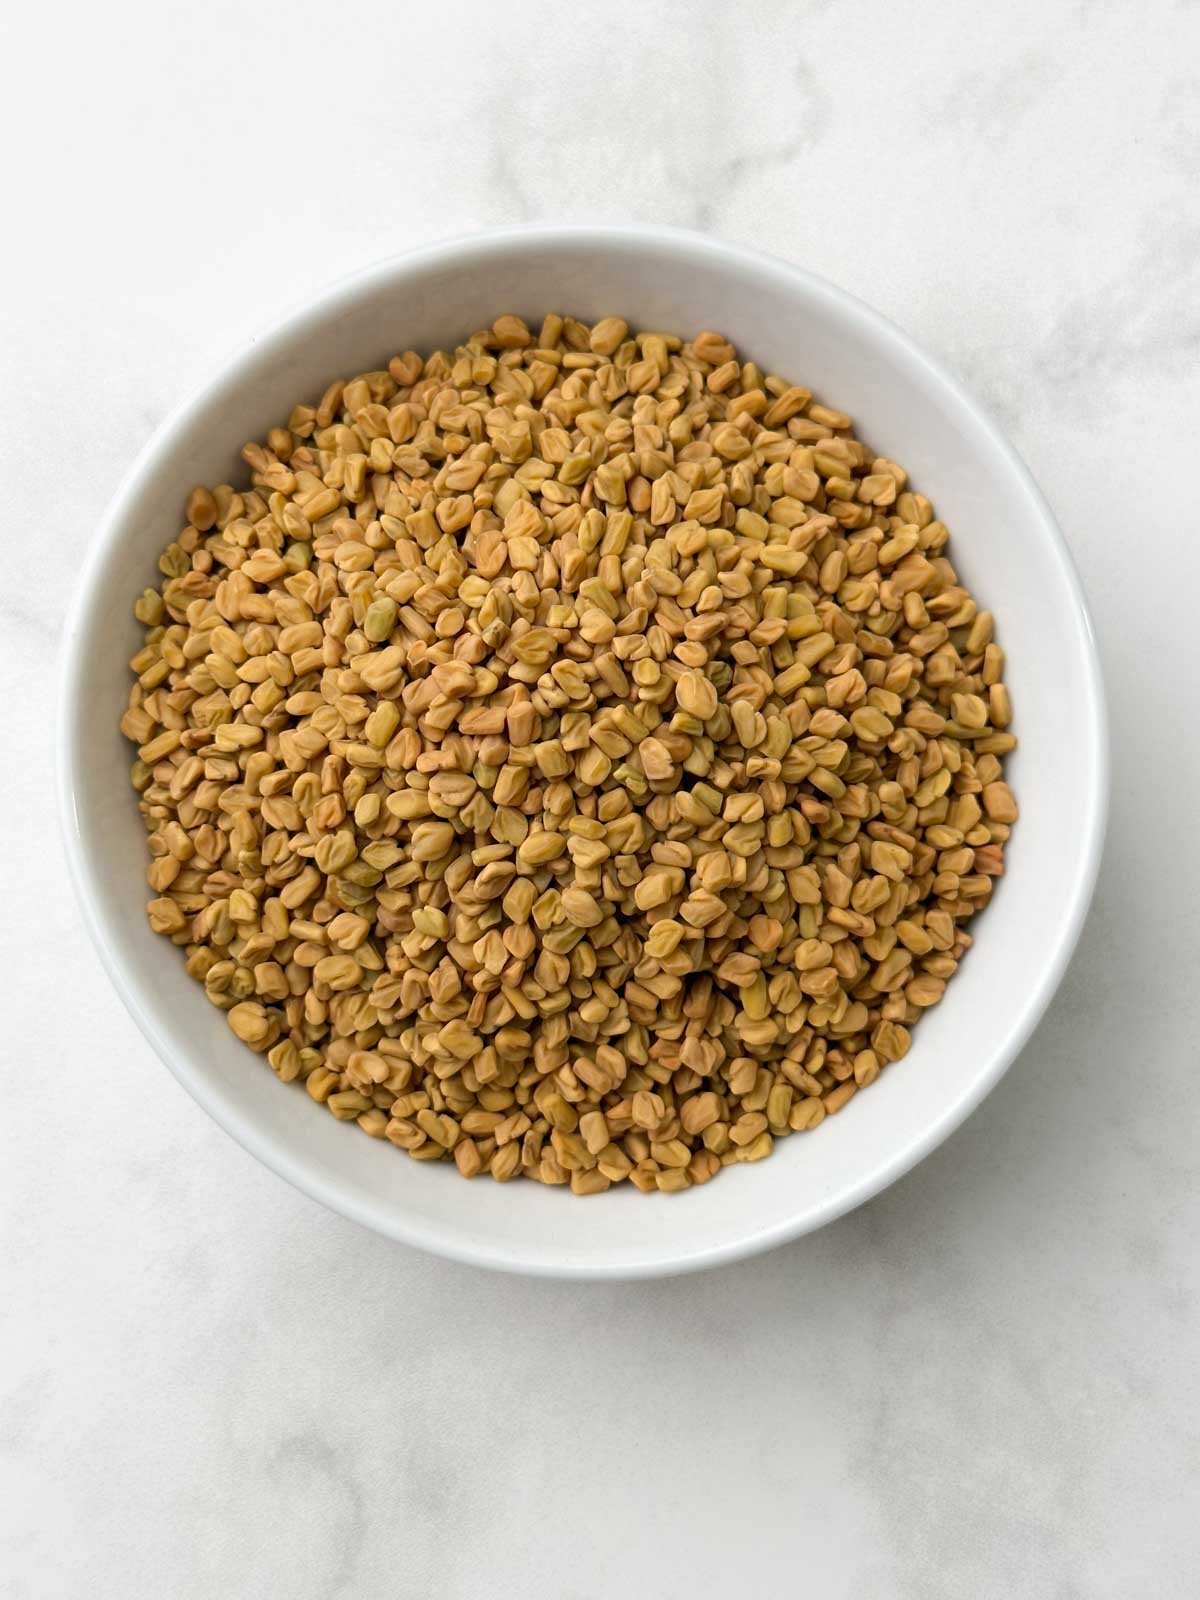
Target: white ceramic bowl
x: 1005, y: 544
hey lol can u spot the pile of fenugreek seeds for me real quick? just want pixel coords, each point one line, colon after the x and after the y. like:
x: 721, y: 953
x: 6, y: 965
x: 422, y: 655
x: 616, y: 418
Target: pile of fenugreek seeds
x: 573, y: 756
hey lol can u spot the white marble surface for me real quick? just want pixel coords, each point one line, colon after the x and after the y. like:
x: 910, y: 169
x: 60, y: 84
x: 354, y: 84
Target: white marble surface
x: 983, y: 1384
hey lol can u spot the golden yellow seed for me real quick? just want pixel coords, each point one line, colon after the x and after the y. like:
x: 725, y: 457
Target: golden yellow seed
x: 806, y: 1114
x: 321, y: 1083
x: 511, y: 333
x: 607, y: 335
x: 998, y: 802
x: 251, y: 1022
x: 201, y: 509
x: 837, y: 1098
x: 656, y: 759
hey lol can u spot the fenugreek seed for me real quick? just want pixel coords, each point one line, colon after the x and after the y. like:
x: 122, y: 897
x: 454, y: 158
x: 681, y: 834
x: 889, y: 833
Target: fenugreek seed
x: 999, y: 706
x: 433, y: 923
x: 696, y: 695
x: 648, y: 1109
x: 607, y: 335
x: 251, y: 1023
x: 321, y: 1083
x: 589, y: 1182
x: 871, y: 725
x: 613, y: 1162
x: 924, y: 990
x: 347, y: 1104
x: 149, y: 608
x: 581, y: 908
x: 998, y: 802
x: 380, y: 619
x: 806, y: 1114
x: 779, y: 1107
x: 572, y: 756
x: 201, y: 509
x: 656, y: 759
x: 511, y: 333
x: 430, y: 840
x: 866, y: 1068
x: 747, y: 1128
x: 503, y: 1165
x: 542, y: 847
x: 467, y: 1158
x: 593, y: 1127
x: 664, y: 938
x: 338, y: 972
x: 657, y: 887
x: 837, y: 1098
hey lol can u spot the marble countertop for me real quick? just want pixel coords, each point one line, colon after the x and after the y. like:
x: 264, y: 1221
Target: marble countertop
x: 983, y: 1384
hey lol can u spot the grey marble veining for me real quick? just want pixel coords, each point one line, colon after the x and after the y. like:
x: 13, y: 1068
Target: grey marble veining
x: 981, y: 1385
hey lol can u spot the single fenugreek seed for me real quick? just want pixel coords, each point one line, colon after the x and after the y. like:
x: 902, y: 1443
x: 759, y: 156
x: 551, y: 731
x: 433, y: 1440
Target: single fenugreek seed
x: 607, y: 335
x: 251, y: 1023
x: 696, y: 695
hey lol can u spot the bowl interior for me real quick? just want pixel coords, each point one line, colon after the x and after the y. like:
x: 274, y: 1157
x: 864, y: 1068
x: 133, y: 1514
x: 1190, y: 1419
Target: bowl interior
x: 1005, y: 547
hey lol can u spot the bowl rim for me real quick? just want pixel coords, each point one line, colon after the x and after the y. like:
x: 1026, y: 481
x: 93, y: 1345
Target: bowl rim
x: 275, y: 1152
